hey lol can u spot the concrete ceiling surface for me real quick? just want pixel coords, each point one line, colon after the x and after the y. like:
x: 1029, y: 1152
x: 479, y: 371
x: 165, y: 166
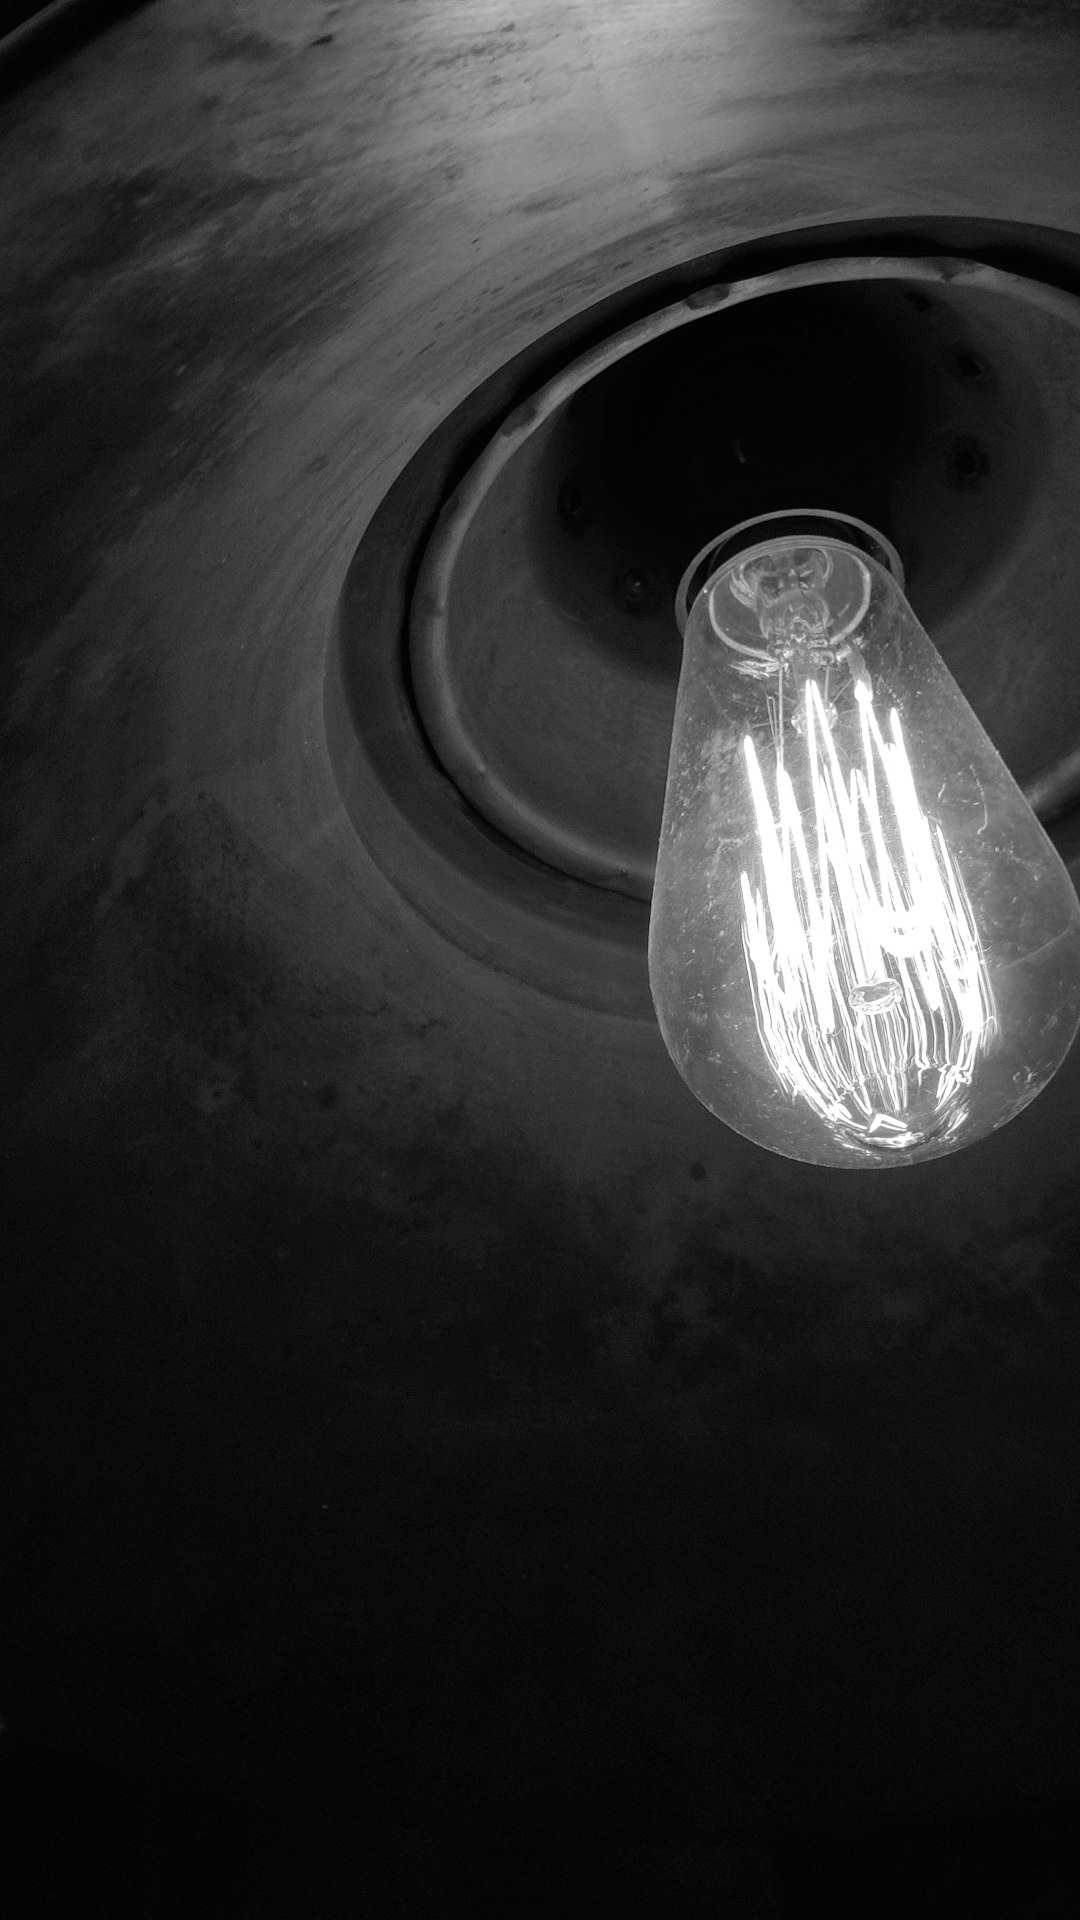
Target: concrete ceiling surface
x: 406, y: 1378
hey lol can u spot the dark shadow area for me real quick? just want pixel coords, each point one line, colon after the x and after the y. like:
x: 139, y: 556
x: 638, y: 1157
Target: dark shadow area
x: 157, y: 1844
x: 826, y: 396
x: 34, y: 38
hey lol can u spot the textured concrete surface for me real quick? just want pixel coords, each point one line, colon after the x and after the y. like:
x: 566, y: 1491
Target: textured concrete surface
x: 407, y: 1387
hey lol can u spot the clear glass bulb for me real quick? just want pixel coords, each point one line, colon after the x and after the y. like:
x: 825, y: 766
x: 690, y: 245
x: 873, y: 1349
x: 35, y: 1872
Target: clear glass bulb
x: 864, y: 950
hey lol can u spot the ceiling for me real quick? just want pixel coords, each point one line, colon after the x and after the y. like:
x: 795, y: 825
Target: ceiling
x: 414, y: 1400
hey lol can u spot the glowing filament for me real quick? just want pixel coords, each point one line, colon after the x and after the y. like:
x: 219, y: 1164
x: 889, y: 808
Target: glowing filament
x: 869, y: 985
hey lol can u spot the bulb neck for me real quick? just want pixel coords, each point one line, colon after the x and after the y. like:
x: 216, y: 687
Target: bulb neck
x: 797, y: 522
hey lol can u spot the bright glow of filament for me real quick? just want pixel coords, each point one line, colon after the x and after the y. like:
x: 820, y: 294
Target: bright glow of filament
x: 869, y: 984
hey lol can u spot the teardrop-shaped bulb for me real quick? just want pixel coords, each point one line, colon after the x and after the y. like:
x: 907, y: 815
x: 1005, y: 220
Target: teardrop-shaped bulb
x: 864, y: 950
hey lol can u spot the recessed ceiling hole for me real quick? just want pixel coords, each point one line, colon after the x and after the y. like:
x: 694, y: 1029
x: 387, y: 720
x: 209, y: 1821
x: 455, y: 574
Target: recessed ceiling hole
x: 637, y: 591
x: 971, y: 369
x: 572, y: 506
x: 968, y: 463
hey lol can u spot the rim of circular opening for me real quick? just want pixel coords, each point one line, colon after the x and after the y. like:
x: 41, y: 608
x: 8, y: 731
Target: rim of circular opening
x: 429, y: 637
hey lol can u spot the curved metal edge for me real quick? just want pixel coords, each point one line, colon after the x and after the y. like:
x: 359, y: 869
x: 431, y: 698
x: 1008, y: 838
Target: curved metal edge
x: 433, y: 688
x: 539, y: 928
x: 52, y: 32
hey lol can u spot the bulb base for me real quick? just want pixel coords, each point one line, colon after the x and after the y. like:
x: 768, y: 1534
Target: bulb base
x: 811, y: 522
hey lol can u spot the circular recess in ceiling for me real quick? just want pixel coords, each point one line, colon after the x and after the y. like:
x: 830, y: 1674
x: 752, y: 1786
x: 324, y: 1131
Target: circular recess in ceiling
x: 500, y: 696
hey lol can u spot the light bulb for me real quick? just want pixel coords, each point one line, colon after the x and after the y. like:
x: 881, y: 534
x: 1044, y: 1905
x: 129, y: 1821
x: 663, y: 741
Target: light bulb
x: 864, y: 950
